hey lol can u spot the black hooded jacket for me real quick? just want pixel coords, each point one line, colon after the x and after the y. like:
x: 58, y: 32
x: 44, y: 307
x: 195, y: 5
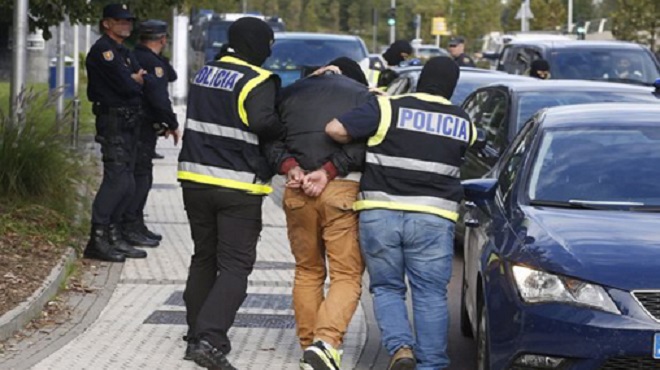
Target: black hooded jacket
x: 393, y: 54
x: 307, y: 106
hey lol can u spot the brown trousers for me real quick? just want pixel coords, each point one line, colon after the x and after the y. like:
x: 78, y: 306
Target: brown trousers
x: 324, y: 228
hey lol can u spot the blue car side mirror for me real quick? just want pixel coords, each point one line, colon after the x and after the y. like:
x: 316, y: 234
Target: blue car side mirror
x: 479, y: 189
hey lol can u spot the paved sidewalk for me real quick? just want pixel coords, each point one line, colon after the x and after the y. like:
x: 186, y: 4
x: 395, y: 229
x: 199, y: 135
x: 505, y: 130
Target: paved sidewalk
x: 143, y: 323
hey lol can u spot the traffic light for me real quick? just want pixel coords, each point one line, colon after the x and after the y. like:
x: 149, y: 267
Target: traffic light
x: 391, y: 16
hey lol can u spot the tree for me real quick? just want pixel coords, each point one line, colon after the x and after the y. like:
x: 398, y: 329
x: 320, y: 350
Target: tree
x: 637, y: 20
x: 549, y: 15
x: 48, y: 13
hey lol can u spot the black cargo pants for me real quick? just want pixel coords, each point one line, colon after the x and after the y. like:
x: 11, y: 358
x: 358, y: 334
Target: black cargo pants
x: 225, y: 226
x: 143, y: 174
x: 117, y: 130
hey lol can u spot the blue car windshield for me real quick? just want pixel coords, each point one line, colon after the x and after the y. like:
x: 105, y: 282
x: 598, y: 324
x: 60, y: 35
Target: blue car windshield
x: 531, y: 102
x: 613, y: 164
x: 622, y: 65
x: 292, y: 54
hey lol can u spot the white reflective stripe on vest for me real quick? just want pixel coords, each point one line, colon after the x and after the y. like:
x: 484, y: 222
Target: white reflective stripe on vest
x: 220, y: 173
x: 408, y: 199
x: 413, y: 164
x: 223, y: 131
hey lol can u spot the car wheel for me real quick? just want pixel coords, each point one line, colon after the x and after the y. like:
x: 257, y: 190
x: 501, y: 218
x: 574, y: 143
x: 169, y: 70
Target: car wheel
x: 483, y: 355
x: 466, y: 327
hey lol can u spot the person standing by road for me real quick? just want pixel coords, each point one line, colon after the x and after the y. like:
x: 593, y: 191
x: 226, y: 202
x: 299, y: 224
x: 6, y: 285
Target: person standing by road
x: 115, y: 89
x: 158, y: 119
x: 231, y: 114
x: 321, y: 223
x: 408, y: 204
x: 457, y: 51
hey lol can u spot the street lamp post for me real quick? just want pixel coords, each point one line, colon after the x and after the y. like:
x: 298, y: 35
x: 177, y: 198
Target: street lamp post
x: 570, y: 16
x: 18, y: 56
x: 393, y: 25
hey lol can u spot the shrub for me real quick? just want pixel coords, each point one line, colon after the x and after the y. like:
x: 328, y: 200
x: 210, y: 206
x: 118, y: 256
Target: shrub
x: 37, y: 164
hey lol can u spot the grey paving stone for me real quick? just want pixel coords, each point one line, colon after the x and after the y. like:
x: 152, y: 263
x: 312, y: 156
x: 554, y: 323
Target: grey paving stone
x: 120, y: 338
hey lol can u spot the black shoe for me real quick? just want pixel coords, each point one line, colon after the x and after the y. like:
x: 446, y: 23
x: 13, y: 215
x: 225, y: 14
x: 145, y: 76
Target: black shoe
x: 120, y: 245
x: 99, y: 246
x: 205, y: 355
x: 135, y: 237
x: 190, y: 348
x: 150, y: 234
x: 158, y: 156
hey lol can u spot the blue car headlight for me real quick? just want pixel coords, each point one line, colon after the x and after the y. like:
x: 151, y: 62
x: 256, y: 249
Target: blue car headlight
x: 537, y: 286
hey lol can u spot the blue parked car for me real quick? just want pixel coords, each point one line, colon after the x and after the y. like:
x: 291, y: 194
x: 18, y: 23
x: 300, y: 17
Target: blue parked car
x: 562, y: 248
x: 296, y: 53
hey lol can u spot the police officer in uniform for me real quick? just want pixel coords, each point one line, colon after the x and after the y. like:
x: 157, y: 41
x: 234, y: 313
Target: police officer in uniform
x: 115, y: 89
x: 408, y: 203
x: 158, y: 119
x: 231, y: 115
x: 457, y: 50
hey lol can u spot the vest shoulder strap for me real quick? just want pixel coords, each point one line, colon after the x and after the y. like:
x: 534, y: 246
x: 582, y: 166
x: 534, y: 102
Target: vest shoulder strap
x: 262, y: 75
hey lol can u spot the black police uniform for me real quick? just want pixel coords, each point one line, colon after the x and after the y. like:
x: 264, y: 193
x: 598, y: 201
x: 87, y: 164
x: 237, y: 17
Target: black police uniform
x: 464, y: 60
x: 230, y: 114
x: 158, y: 116
x: 116, y: 101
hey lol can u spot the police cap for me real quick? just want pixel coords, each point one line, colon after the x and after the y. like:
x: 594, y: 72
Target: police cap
x: 117, y: 11
x: 152, y: 27
x: 456, y: 41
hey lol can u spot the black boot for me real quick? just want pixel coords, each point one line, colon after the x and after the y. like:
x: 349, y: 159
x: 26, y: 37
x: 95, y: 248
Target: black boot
x: 99, y: 246
x: 190, y: 348
x: 119, y: 244
x: 150, y: 234
x: 135, y: 237
x: 205, y: 355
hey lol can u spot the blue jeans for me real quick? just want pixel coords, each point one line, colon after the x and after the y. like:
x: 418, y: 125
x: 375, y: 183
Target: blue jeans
x: 419, y: 245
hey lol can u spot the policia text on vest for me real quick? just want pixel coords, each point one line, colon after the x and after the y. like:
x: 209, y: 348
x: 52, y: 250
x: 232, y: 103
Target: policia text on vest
x: 413, y: 160
x: 223, y: 125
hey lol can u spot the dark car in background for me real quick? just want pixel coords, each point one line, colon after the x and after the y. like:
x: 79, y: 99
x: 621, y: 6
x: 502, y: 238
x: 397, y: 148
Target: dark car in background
x: 613, y: 61
x: 294, y: 53
x: 499, y: 110
x: 469, y: 80
x: 208, y: 32
x: 562, y: 247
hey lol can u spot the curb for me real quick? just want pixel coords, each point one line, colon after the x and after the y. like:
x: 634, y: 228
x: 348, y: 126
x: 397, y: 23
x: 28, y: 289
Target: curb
x: 20, y: 315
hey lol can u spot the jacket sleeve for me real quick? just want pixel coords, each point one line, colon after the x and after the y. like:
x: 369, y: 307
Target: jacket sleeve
x: 155, y: 91
x: 350, y: 158
x: 262, y: 116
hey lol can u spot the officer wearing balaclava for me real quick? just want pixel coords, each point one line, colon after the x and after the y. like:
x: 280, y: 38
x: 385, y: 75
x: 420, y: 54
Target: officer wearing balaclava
x: 231, y: 116
x: 411, y: 185
x: 380, y: 73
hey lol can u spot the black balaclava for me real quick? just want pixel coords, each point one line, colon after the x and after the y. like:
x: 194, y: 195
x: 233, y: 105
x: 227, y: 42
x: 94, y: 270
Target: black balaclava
x: 439, y: 77
x: 350, y: 68
x: 393, y: 54
x: 251, y: 40
x: 539, y: 65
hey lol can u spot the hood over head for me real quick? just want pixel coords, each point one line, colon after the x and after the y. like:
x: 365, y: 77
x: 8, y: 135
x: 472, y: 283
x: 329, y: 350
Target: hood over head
x: 251, y: 40
x: 539, y: 65
x: 393, y: 54
x: 350, y: 68
x: 439, y: 77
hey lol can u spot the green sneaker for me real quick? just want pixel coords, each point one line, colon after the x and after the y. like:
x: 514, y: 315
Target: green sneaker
x: 322, y: 357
